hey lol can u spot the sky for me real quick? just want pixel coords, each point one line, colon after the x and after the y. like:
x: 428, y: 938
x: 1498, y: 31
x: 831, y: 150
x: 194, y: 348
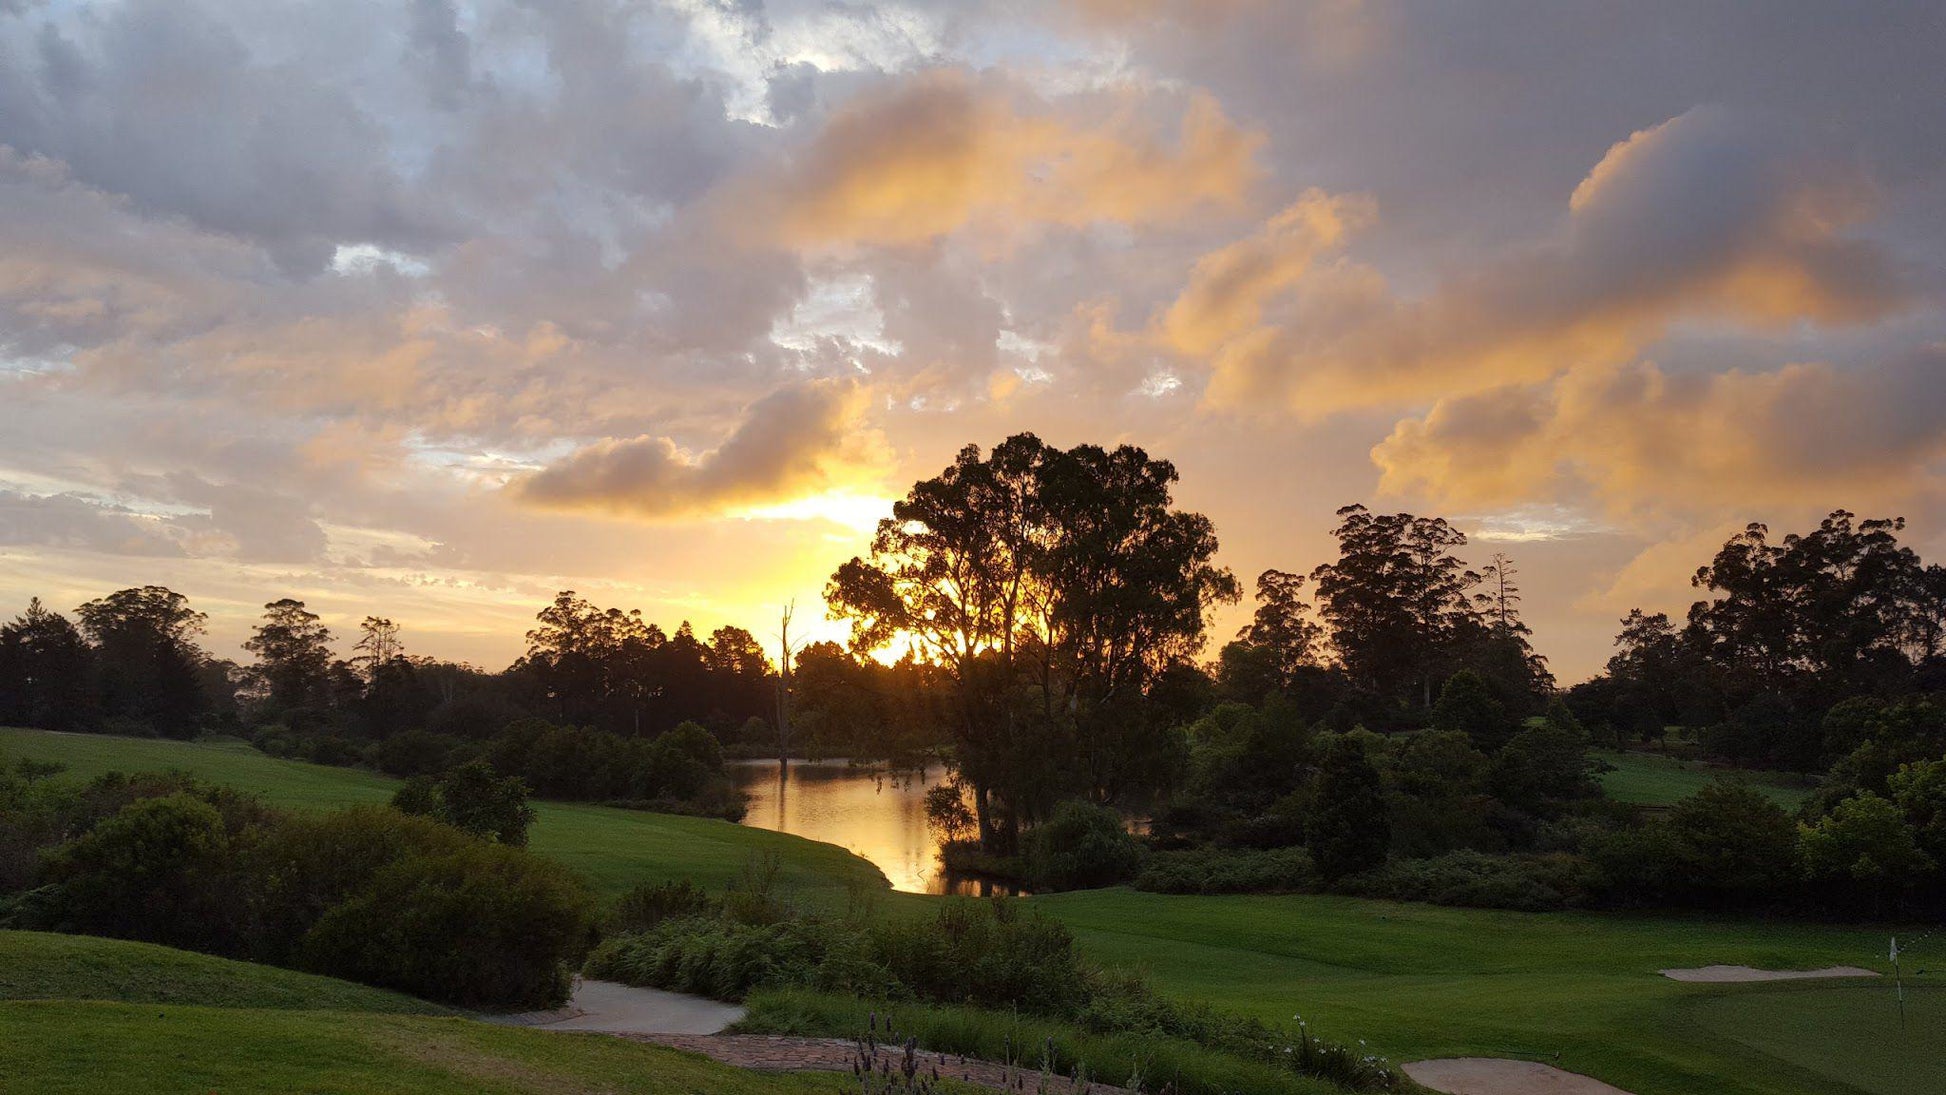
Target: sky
x: 430, y: 309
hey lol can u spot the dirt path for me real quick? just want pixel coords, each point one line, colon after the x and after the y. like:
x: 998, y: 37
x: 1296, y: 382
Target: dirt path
x: 1731, y: 975
x: 777, y: 1053
x: 612, y: 1008
x: 1494, y: 1076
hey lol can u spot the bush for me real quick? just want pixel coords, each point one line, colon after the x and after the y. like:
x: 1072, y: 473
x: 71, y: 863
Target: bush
x: 1210, y: 871
x: 1529, y: 883
x: 646, y: 905
x: 1347, y: 829
x: 1081, y: 847
x: 162, y: 870
x: 481, y: 925
x: 473, y: 799
x: 366, y: 893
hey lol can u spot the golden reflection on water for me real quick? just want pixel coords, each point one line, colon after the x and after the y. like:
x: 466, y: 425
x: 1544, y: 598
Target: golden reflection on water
x: 872, y: 813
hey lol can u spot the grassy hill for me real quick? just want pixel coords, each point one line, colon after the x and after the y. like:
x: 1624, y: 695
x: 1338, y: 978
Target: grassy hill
x: 83, y: 1016
x: 613, y: 848
x: 44, y: 966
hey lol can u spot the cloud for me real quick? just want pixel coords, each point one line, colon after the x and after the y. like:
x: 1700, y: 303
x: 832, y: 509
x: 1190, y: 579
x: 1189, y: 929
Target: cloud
x: 73, y: 522
x: 944, y: 150
x: 1645, y: 441
x: 1713, y: 216
x: 797, y: 441
x: 1229, y: 287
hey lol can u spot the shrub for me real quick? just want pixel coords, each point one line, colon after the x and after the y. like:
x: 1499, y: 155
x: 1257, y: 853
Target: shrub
x: 1210, y: 871
x: 1347, y: 829
x: 1082, y: 846
x: 161, y: 869
x: 473, y: 799
x: 1863, y: 845
x: 1735, y: 846
x: 648, y: 904
x: 480, y: 925
x: 1530, y: 883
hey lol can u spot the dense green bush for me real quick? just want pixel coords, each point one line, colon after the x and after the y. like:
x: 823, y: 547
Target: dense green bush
x: 991, y: 952
x: 1082, y: 846
x: 473, y: 799
x: 366, y: 893
x: 1528, y: 882
x: 1725, y: 846
x: 1279, y: 870
x: 647, y: 904
x: 162, y: 869
x: 480, y: 925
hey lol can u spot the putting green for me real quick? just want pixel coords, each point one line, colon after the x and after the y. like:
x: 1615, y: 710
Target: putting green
x: 1849, y: 1036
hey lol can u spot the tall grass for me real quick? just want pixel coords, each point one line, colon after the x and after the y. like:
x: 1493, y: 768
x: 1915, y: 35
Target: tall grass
x: 1140, y: 1060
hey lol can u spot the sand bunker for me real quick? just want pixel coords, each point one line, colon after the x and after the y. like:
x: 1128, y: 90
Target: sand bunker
x: 1494, y: 1076
x: 1726, y: 975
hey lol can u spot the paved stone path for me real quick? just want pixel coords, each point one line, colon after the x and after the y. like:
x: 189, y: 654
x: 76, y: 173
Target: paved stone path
x: 778, y: 1053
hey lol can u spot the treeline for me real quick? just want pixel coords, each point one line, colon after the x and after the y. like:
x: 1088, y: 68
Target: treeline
x: 602, y: 706
x: 1843, y: 616
x: 1820, y: 653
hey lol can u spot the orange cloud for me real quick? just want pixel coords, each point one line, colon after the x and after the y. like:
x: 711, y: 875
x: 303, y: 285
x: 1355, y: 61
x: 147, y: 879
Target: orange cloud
x: 1648, y: 441
x: 944, y: 152
x: 1708, y: 216
x: 794, y: 443
x: 1229, y: 287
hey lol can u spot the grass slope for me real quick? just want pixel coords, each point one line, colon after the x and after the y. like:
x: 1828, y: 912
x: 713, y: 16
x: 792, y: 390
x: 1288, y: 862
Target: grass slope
x: 614, y: 848
x: 43, y: 966
x: 86, y: 1047
x: 84, y: 1015
x: 1649, y: 779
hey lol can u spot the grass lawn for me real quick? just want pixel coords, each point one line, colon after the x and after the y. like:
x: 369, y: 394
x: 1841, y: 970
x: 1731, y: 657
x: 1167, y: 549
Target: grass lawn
x: 1576, y: 990
x: 613, y: 848
x: 44, y: 966
x: 1650, y: 779
x: 85, y: 1047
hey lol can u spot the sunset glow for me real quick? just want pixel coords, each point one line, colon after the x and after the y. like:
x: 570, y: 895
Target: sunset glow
x: 435, y: 314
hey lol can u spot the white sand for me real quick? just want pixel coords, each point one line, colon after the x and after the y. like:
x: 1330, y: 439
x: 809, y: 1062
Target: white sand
x: 1494, y: 1076
x: 1729, y: 975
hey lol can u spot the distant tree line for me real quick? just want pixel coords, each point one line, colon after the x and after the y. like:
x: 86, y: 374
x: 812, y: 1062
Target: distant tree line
x: 602, y: 706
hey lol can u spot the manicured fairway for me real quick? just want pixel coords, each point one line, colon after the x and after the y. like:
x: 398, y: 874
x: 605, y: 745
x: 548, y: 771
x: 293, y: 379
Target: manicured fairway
x: 1576, y: 990
x: 614, y: 848
x: 1648, y: 779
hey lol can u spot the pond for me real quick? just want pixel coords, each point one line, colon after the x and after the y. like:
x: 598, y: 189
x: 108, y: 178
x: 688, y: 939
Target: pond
x: 874, y: 813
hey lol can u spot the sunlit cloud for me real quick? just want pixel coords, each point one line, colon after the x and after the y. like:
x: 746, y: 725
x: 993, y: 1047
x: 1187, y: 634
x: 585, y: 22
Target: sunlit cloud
x: 442, y: 309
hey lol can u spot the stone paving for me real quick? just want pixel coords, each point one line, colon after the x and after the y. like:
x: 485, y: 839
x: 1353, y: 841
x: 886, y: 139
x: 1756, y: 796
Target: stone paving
x: 778, y: 1053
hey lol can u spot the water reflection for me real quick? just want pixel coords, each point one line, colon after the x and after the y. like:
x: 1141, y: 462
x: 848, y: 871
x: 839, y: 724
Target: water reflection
x: 877, y: 814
